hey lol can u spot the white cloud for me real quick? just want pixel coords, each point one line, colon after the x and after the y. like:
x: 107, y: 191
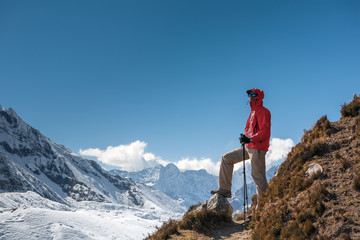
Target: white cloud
x: 95, y: 152
x: 278, y: 150
x: 132, y: 157
x: 149, y: 157
x: 195, y: 164
x: 128, y: 157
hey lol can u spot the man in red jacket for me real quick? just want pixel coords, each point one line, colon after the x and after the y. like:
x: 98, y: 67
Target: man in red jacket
x: 257, y: 137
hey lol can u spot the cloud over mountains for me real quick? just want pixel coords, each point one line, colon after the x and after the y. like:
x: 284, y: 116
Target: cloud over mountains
x: 132, y: 157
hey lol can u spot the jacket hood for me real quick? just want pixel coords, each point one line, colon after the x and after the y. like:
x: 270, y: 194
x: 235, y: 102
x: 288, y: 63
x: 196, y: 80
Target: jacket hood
x: 259, y: 99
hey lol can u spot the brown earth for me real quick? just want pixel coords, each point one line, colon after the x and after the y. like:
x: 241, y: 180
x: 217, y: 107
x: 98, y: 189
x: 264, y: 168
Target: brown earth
x: 230, y: 231
x: 342, y: 206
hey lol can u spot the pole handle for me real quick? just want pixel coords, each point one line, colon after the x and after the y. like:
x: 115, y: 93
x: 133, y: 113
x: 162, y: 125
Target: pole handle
x: 241, y: 135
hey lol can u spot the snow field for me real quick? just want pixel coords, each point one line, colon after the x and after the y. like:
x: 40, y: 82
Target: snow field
x: 42, y: 223
x: 29, y: 216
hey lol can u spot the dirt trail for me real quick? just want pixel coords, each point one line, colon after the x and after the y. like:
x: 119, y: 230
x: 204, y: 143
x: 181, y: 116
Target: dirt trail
x: 236, y: 230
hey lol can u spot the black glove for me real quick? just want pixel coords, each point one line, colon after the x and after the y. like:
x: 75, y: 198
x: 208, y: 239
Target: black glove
x: 244, y: 139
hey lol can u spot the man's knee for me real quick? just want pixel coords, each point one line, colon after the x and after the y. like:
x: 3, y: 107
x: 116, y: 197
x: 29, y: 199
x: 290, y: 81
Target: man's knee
x: 225, y: 158
x: 232, y: 157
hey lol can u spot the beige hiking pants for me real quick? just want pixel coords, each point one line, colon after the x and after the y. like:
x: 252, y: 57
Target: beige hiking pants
x: 257, y: 158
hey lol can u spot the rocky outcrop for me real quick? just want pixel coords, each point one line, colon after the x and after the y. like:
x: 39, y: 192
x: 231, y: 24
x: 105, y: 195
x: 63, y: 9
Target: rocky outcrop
x: 14, y: 178
x: 218, y: 203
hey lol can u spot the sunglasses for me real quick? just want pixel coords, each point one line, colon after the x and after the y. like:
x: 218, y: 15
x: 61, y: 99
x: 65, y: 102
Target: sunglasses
x: 252, y: 94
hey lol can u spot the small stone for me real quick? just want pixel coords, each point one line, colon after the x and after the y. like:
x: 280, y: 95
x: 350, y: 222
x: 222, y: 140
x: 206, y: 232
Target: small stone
x: 313, y: 169
x: 238, y: 215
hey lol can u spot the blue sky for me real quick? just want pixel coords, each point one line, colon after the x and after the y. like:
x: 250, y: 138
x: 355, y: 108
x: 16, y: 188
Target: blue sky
x: 173, y: 74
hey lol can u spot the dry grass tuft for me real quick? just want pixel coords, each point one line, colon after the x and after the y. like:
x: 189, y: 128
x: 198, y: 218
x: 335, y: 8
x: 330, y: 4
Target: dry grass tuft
x: 352, y: 109
x: 357, y: 125
x: 322, y: 128
x: 308, y: 228
x: 357, y: 182
x: 323, y: 237
x: 204, y: 220
x: 345, y: 164
x: 345, y: 236
x: 316, y: 199
x: 201, y: 221
x: 168, y: 228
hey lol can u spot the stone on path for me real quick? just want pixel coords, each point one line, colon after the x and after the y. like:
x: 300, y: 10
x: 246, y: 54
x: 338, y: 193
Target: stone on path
x: 218, y: 203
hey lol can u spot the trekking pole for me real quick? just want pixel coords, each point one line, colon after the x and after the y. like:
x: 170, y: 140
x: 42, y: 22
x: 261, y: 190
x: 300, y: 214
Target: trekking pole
x: 245, y: 185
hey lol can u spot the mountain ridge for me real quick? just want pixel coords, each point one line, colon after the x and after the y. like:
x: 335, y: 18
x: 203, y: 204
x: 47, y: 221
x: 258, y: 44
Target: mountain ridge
x: 32, y: 162
x: 195, y: 184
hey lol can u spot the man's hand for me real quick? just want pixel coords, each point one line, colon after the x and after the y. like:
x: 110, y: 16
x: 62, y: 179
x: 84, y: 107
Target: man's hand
x: 244, y: 139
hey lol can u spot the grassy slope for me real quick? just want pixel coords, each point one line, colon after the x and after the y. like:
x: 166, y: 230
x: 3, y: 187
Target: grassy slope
x: 325, y: 206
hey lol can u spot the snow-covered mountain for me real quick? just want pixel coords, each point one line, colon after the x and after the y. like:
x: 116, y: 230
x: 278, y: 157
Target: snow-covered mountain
x: 29, y: 161
x: 191, y: 187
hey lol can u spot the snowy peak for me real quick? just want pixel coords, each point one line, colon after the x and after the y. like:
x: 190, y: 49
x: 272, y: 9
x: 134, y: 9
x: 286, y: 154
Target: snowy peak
x: 10, y: 119
x: 55, y: 165
x: 31, y: 162
x: 192, y: 186
x: 147, y: 176
x: 172, y: 167
x: 188, y: 187
x: 10, y: 116
x: 18, y: 138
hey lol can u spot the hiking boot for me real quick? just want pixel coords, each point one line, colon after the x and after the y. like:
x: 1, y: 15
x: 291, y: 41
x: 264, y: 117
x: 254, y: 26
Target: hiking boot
x: 222, y: 192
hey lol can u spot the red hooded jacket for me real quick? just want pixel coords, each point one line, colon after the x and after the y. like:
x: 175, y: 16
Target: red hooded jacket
x: 258, y: 124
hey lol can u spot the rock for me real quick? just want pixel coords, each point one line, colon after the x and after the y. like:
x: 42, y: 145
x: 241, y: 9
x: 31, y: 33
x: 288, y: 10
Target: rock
x: 238, y: 215
x: 218, y: 203
x: 313, y: 169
